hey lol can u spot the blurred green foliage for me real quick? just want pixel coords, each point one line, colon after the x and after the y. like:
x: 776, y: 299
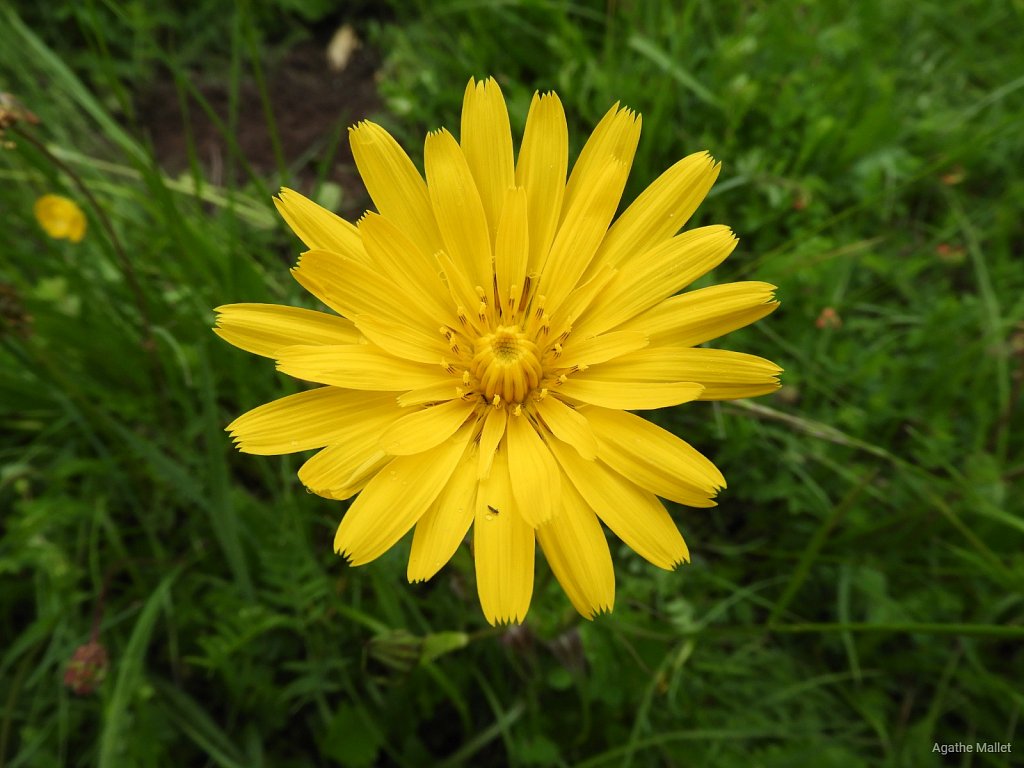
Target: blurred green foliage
x: 855, y: 598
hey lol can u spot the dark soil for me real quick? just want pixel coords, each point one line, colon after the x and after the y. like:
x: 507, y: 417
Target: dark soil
x: 310, y: 103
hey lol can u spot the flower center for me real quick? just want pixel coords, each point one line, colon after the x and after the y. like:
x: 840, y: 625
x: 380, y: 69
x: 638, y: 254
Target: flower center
x: 506, y: 364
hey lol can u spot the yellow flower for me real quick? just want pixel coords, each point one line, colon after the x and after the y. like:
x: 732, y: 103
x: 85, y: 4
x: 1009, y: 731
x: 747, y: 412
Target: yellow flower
x: 492, y: 334
x: 60, y: 218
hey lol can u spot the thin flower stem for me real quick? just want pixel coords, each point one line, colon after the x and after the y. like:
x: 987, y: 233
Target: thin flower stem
x: 101, y: 599
x: 149, y: 341
x: 125, y: 263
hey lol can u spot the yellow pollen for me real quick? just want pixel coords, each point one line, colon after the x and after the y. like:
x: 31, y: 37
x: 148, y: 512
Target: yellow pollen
x: 506, y: 365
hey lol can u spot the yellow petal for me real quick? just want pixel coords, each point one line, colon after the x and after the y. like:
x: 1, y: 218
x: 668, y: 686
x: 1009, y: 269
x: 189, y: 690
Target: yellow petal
x: 541, y: 168
x: 358, y: 479
x: 511, y: 249
x: 341, y: 463
x: 310, y: 419
x: 600, y: 349
x: 411, y: 269
x: 395, y: 185
x: 494, y: 430
x: 357, y: 366
x: 323, y: 273
x: 582, y: 296
x: 568, y: 425
x: 396, y: 498
x: 352, y: 289
x: 634, y: 515
x: 615, y: 137
x: 464, y: 297
x: 264, y: 328
x: 654, y: 458
x: 585, y: 223
x: 406, y: 341
x: 503, y: 549
x: 659, y: 273
x: 440, y: 531
x: 536, y: 478
x: 661, y: 210
x: 423, y: 429
x: 631, y: 395
x: 332, y: 472
x: 457, y: 207
x: 577, y: 551
x: 725, y: 375
x: 434, y: 393
x: 319, y: 228
x: 699, y: 316
x: 486, y: 140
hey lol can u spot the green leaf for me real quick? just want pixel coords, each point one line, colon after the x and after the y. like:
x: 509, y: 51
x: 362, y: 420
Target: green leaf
x: 130, y: 680
x: 352, y: 738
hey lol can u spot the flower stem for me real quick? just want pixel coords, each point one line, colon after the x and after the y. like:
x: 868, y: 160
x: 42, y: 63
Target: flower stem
x: 127, y: 270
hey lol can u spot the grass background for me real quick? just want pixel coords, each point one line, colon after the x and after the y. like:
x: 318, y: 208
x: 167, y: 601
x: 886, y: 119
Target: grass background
x: 855, y: 598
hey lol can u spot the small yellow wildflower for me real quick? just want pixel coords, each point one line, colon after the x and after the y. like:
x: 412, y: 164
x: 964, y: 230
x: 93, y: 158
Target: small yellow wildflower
x: 60, y: 218
x: 494, y: 328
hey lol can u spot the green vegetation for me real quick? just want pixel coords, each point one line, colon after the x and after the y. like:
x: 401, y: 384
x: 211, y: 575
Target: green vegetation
x: 855, y: 597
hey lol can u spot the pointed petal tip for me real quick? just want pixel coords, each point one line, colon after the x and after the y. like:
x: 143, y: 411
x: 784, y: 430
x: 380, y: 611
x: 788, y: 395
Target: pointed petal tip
x: 505, y: 620
x: 480, y: 86
x: 350, y: 557
x: 707, y: 157
x: 605, y: 609
x: 365, y: 131
x: 438, y: 134
x: 683, y: 559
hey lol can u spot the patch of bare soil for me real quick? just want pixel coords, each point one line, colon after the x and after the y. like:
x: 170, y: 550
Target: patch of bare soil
x: 310, y: 103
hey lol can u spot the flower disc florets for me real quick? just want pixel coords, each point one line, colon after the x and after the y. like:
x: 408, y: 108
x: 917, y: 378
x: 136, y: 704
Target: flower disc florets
x: 506, y: 366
